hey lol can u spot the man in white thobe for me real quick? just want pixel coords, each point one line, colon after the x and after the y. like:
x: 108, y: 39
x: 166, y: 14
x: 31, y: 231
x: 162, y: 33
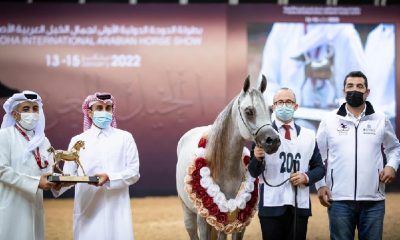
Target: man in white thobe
x: 104, y: 211
x: 24, y: 167
x: 380, y: 51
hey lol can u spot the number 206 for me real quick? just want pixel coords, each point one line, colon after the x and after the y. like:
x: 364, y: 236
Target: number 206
x: 288, y: 161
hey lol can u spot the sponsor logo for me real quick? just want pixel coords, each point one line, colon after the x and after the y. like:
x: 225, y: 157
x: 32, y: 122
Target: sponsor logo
x: 343, y: 129
x: 369, y: 130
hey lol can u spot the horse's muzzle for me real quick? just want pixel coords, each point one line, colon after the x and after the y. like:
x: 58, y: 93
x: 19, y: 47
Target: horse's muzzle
x: 271, y: 145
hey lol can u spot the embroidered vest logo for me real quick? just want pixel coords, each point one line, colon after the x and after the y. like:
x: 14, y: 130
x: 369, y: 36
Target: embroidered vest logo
x: 343, y: 129
x: 369, y: 130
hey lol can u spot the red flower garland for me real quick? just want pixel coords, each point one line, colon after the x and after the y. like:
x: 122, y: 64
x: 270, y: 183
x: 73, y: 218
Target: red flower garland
x: 207, y: 201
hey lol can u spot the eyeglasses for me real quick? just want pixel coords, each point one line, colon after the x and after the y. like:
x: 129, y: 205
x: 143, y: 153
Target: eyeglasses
x: 288, y: 103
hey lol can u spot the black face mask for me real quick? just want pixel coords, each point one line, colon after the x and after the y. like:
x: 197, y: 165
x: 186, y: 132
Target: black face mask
x: 354, y: 98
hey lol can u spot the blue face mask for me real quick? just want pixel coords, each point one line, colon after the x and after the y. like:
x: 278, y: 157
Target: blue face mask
x: 102, y: 119
x: 284, y: 113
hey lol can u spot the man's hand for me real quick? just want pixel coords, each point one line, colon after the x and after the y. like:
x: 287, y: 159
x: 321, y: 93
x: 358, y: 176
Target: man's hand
x: 259, y: 153
x: 324, y: 195
x: 298, y: 179
x: 103, y: 178
x: 387, y: 175
x: 44, y: 183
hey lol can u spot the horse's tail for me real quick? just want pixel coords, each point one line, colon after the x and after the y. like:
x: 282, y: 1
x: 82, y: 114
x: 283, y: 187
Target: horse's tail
x: 52, y: 150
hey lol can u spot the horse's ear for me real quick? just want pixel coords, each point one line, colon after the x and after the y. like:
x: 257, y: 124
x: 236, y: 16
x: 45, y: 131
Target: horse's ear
x: 263, y: 84
x: 246, y: 84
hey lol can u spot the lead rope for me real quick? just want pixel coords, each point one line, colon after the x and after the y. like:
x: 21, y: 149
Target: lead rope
x: 295, y: 196
x: 295, y: 207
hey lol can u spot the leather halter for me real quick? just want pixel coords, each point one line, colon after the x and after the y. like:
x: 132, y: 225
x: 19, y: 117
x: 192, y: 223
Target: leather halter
x: 248, y: 128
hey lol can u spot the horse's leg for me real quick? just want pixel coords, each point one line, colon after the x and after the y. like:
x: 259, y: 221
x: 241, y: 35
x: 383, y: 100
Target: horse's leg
x: 238, y: 235
x: 204, y: 228
x: 56, y: 164
x: 190, y: 222
x: 80, y: 165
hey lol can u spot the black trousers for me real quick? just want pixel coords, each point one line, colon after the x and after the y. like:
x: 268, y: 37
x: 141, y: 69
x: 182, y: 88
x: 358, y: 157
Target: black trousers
x: 281, y: 227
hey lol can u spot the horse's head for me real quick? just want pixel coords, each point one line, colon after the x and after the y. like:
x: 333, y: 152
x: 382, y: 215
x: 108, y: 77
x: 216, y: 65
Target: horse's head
x: 79, y: 144
x: 51, y: 149
x: 254, y: 118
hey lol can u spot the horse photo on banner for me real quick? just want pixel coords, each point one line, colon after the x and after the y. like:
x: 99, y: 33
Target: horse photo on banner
x: 313, y: 58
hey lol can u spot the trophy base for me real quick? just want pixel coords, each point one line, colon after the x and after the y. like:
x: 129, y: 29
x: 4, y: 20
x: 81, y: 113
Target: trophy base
x: 73, y: 179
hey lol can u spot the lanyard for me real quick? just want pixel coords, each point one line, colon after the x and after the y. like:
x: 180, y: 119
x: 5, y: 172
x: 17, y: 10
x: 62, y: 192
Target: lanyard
x: 36, y: 152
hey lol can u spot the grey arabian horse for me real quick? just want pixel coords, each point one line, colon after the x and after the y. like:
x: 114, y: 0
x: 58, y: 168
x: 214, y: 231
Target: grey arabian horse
x: 245, y: 118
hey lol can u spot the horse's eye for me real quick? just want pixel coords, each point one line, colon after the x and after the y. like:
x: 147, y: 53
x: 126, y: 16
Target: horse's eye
x: 249, y: 112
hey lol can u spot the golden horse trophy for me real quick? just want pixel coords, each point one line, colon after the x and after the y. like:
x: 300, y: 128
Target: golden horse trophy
x: 73, y: 155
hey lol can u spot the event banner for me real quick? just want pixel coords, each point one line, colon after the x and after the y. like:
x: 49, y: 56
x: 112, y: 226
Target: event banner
x: 166, y: 68
x: 172, y: 68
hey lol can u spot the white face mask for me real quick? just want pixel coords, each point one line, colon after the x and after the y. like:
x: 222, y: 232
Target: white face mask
x: 29, y: 120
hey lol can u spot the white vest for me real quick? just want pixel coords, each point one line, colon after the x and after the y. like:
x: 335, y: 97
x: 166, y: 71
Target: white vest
x: 279, y: 166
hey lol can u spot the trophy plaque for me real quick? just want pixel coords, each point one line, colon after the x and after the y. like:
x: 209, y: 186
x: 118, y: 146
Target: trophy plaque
x: 73, y: 179
x: 73, y: 155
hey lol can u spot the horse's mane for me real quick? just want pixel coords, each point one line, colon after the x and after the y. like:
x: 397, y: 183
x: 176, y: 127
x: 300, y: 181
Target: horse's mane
x: 218, y: 136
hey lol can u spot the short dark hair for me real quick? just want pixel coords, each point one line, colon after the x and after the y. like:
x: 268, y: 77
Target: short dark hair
x: 356, y: 74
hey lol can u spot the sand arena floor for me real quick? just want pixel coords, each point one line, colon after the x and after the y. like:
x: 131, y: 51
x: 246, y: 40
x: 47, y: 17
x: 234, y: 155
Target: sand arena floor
x: 160, y: 218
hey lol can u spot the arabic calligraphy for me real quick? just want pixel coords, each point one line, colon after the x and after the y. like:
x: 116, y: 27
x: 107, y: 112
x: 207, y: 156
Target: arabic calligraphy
x: 102, y: 35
